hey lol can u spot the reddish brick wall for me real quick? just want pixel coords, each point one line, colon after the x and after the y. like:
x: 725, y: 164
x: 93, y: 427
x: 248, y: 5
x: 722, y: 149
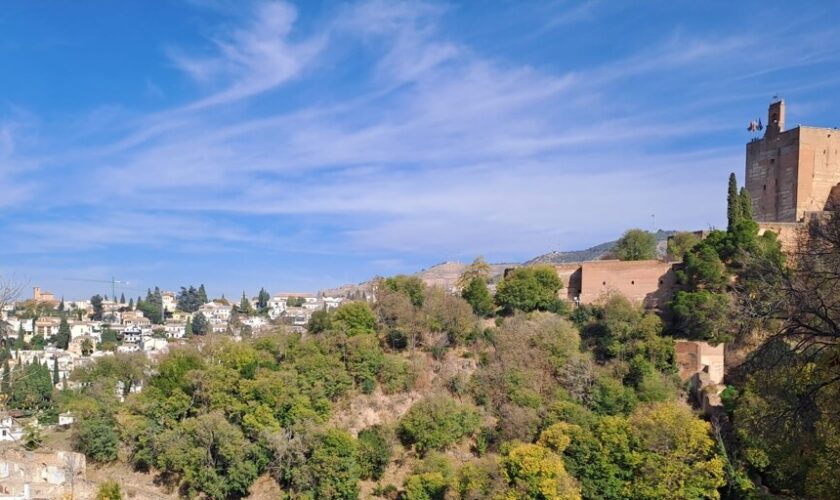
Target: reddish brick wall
x: 649, y: 282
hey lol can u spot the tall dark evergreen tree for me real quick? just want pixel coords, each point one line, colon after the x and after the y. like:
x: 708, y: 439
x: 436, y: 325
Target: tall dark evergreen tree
x: 62, y: 339
x: 202, y: 294
x: 733, y: 203
x: 200, y: 325
x: 262, y: 300
x: 245, y: 305
x: 122, y: 298
x: 7, y: 377
x: 131, y: 303
x: 745, y: 204
x: 55, y: 377
x: 96, y: 302
x: 61, y: 305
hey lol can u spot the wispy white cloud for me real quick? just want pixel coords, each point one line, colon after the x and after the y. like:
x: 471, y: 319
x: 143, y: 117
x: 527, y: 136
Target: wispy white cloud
x: 252, y: 59
x: 436, y: 149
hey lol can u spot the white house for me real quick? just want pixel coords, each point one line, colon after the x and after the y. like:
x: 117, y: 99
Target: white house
x: 66, y: 418
x: 331, y: 302
x: 174, y: 330
x: 154, y: 344
x: 10, y: 428
x: 80, y: 329
x: 215, y: 312
x: 255, y: 322
x: 132, y: 334
x: 170, y: 301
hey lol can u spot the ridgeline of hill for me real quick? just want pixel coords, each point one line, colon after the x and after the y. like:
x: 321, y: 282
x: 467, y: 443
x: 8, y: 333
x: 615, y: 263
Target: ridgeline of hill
x: 445, y: 274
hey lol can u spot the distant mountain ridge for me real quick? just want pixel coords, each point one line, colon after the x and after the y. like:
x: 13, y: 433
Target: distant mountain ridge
x: 598, y: 252
x: 445, y: 274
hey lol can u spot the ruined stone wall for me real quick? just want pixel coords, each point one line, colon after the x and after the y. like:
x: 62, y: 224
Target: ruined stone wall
x: 694, y: 357
x: 48, y: 474
x: 569, y: 274
x: 649, y: 282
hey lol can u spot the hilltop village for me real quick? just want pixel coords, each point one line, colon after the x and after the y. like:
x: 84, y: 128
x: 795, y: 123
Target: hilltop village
x: 463, y: 381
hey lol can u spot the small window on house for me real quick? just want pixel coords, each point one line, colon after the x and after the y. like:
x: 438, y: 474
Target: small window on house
x: 772, y: 161
x: 604, y: 283
x: 661, y: 282
x: 632, y: 282
x: 765, y: 187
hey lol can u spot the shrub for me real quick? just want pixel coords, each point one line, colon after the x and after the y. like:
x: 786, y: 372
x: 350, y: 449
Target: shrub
x: 396, y: 375
x: 97, y: 438
x: 374, y: 452
x: 529, y: 288
x: 356, y: 318
x: 437, y: 422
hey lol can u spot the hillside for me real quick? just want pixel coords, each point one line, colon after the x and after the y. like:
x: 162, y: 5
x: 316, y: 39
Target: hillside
x: 596, y: 252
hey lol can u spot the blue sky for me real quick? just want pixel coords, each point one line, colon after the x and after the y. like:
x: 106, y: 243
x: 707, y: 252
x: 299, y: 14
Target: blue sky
x: 300, y: 146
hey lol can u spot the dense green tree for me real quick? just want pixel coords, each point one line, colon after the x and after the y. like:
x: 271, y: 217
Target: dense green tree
x: 31, y: 387
x: 374, y: 452
x: 364, y: 360
x: 332, y: 466
x: 702, y: 315
x: 55, y: 377
x: 122, y: 298
x: 7, y: 377
x: 202, y: 295
x: 528, y: 288
x: 188, y: 328
x: 733, y: 204
x: 680, y: 243
x: 108, y: 339
x: 354, y: 318
x: 534, y: 471
x: 745, y: 204
x: 37, y: 342
x: 412, y: 286
x: 96, y: 303
x: 62, y: 339
x: 96, y: 436
x: 262, y: 301
x: 200, y: 325
x: 320, y: 321
x: 436, y: 422
x: 636, y: 244
x: 478, y: 296
x: 209, y: 455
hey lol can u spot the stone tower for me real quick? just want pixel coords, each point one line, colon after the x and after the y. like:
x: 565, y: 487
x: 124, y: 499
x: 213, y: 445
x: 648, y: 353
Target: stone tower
x: 791, y: 172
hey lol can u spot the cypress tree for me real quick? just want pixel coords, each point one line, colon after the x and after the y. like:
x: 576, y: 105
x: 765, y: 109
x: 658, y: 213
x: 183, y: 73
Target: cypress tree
x: 122, y: 298
x: 62, y: 340
x: 55, y: 371
x: 745, y: 204
x: 7, y: 377
x: 188, y: 328
x: 202, y: 294
x: 131, y: 303
x: 733, y: 203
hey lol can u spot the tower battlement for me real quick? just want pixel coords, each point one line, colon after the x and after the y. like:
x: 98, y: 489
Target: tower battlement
x: 791, y: 172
